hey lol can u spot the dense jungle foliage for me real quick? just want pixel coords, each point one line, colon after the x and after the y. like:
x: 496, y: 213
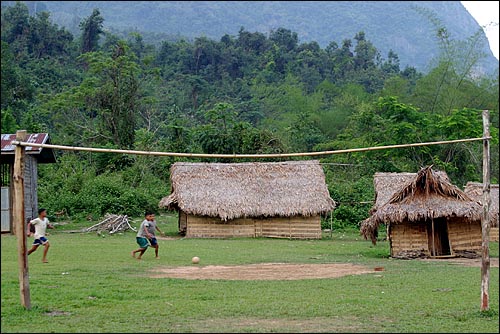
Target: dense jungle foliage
x: 249, y: 93
x: 401, y: 26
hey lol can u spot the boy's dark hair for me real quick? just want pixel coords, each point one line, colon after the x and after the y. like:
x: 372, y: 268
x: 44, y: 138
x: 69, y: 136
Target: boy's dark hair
x: 149, y: 213
x: 41, y: 210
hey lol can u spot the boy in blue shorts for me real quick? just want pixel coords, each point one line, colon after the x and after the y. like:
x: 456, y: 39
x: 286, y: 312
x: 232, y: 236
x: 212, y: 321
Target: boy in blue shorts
x: 146, y: 235
x: 41, y: 224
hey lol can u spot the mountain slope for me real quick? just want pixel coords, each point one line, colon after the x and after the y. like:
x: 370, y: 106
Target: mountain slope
x: 396, y: 25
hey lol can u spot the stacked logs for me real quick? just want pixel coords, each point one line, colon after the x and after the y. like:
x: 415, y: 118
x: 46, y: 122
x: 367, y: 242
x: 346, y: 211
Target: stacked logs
x: 111, y: 223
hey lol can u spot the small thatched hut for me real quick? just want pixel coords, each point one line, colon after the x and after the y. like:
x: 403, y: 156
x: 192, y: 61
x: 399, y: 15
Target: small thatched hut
x: 428, y: 216
x: 386, y: 185
x: 475, y: 191
x: 279, y: 199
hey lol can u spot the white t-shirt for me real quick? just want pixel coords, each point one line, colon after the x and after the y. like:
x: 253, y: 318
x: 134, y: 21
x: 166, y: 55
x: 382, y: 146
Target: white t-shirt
x: 40, y: 226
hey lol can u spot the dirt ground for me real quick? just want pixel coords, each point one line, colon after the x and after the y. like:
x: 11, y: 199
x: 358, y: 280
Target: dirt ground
x: 287, y: 271
x: 263, y: 271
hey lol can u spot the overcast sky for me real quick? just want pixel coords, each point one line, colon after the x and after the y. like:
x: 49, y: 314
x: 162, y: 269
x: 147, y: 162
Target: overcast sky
x: 486, y: 14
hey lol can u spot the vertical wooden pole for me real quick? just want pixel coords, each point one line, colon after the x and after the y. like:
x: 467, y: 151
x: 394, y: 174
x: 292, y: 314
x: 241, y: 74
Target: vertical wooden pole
x: 433, y: 241
x: 331, y: 225
x: 18, y: 220
x: 485, y: 219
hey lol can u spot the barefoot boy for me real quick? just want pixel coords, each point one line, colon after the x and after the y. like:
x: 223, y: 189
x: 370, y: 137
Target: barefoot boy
x: 147, y: 233
x: 41, y: 224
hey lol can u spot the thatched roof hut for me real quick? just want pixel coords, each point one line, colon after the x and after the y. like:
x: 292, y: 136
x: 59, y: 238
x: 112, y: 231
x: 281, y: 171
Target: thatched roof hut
x: 230, y: 191
x: 386, y: 185
x: 424, y: 207
x: 475, y: 191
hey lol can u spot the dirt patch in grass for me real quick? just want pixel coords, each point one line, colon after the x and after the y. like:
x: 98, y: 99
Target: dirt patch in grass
x: 257, y: 325
x: 466, y: 262
x: 56, y: 313
x: 263, y: 271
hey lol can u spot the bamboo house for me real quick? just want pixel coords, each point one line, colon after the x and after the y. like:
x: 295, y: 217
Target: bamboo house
x: 276, y: 199
x: 33, y: 157
x: 428, y: 216
x: 475, y: 191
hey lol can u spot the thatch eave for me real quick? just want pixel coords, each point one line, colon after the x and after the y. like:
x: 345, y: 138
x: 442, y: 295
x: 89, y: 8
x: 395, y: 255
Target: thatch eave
x: 475, y: 191
x: 369, y: 229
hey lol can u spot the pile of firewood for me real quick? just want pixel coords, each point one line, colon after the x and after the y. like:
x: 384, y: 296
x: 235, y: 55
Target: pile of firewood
x: 112, y: 224
x: 467, y: 254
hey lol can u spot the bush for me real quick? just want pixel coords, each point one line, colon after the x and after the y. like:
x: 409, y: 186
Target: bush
x: 354, y: 200
x: 107, y: 193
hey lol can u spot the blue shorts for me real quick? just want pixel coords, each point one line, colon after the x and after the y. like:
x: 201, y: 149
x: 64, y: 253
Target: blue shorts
x: 40, y: 241
x: 153, y: 242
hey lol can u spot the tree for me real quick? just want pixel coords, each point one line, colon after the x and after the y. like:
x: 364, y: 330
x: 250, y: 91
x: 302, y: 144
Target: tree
x: 223, y: 133
x: 284, y: 38
x: 115, y: 78
x: 17, y: 90
x: 455, y: 67
x: 47, y: 39
x: 91, y: 28
x: 103, y: 108
x: 8, y: 122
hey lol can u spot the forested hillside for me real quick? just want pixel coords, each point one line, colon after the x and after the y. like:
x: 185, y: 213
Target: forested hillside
x: 405, y: 27
x: 244, y: 93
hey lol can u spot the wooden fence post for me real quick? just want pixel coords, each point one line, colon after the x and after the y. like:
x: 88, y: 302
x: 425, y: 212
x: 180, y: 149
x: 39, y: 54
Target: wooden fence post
x: 18, y: 220
x: 485, y: 218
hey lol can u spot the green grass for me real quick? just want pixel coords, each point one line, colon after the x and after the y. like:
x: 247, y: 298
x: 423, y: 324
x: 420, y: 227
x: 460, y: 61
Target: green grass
x: 91, y: 284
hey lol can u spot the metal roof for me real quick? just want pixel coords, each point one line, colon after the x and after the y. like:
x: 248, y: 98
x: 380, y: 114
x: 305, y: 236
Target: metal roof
x: 43, y: 154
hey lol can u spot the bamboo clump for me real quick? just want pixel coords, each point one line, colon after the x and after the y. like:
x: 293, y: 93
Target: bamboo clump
x: 111, y: 223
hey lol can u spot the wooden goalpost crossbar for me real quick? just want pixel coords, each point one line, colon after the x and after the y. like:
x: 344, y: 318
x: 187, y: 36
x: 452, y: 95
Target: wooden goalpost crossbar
x: 240, y: 156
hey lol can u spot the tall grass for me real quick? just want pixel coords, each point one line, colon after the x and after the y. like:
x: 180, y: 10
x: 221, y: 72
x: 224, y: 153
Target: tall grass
x: 92, y: 284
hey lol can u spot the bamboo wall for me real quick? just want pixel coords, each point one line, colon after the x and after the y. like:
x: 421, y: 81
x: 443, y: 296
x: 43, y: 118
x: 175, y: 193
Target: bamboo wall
x: 293, y: 227
x: 493, y: 233
x: 408, y: 237
x: 30, y: 192
x: 464, y: 235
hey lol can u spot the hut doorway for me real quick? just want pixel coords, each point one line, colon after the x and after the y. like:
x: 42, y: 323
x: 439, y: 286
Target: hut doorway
x: 439, y: 243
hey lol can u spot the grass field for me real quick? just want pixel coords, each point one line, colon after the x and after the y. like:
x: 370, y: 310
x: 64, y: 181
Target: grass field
x: 92, y: 284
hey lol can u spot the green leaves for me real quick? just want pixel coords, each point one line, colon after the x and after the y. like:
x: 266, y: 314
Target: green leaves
x: 461, y: 123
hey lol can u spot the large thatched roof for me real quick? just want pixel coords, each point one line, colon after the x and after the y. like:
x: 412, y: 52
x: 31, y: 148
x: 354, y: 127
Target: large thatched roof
x: 236, y: 190
x: 427, y: 195
x: 475, y: 191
